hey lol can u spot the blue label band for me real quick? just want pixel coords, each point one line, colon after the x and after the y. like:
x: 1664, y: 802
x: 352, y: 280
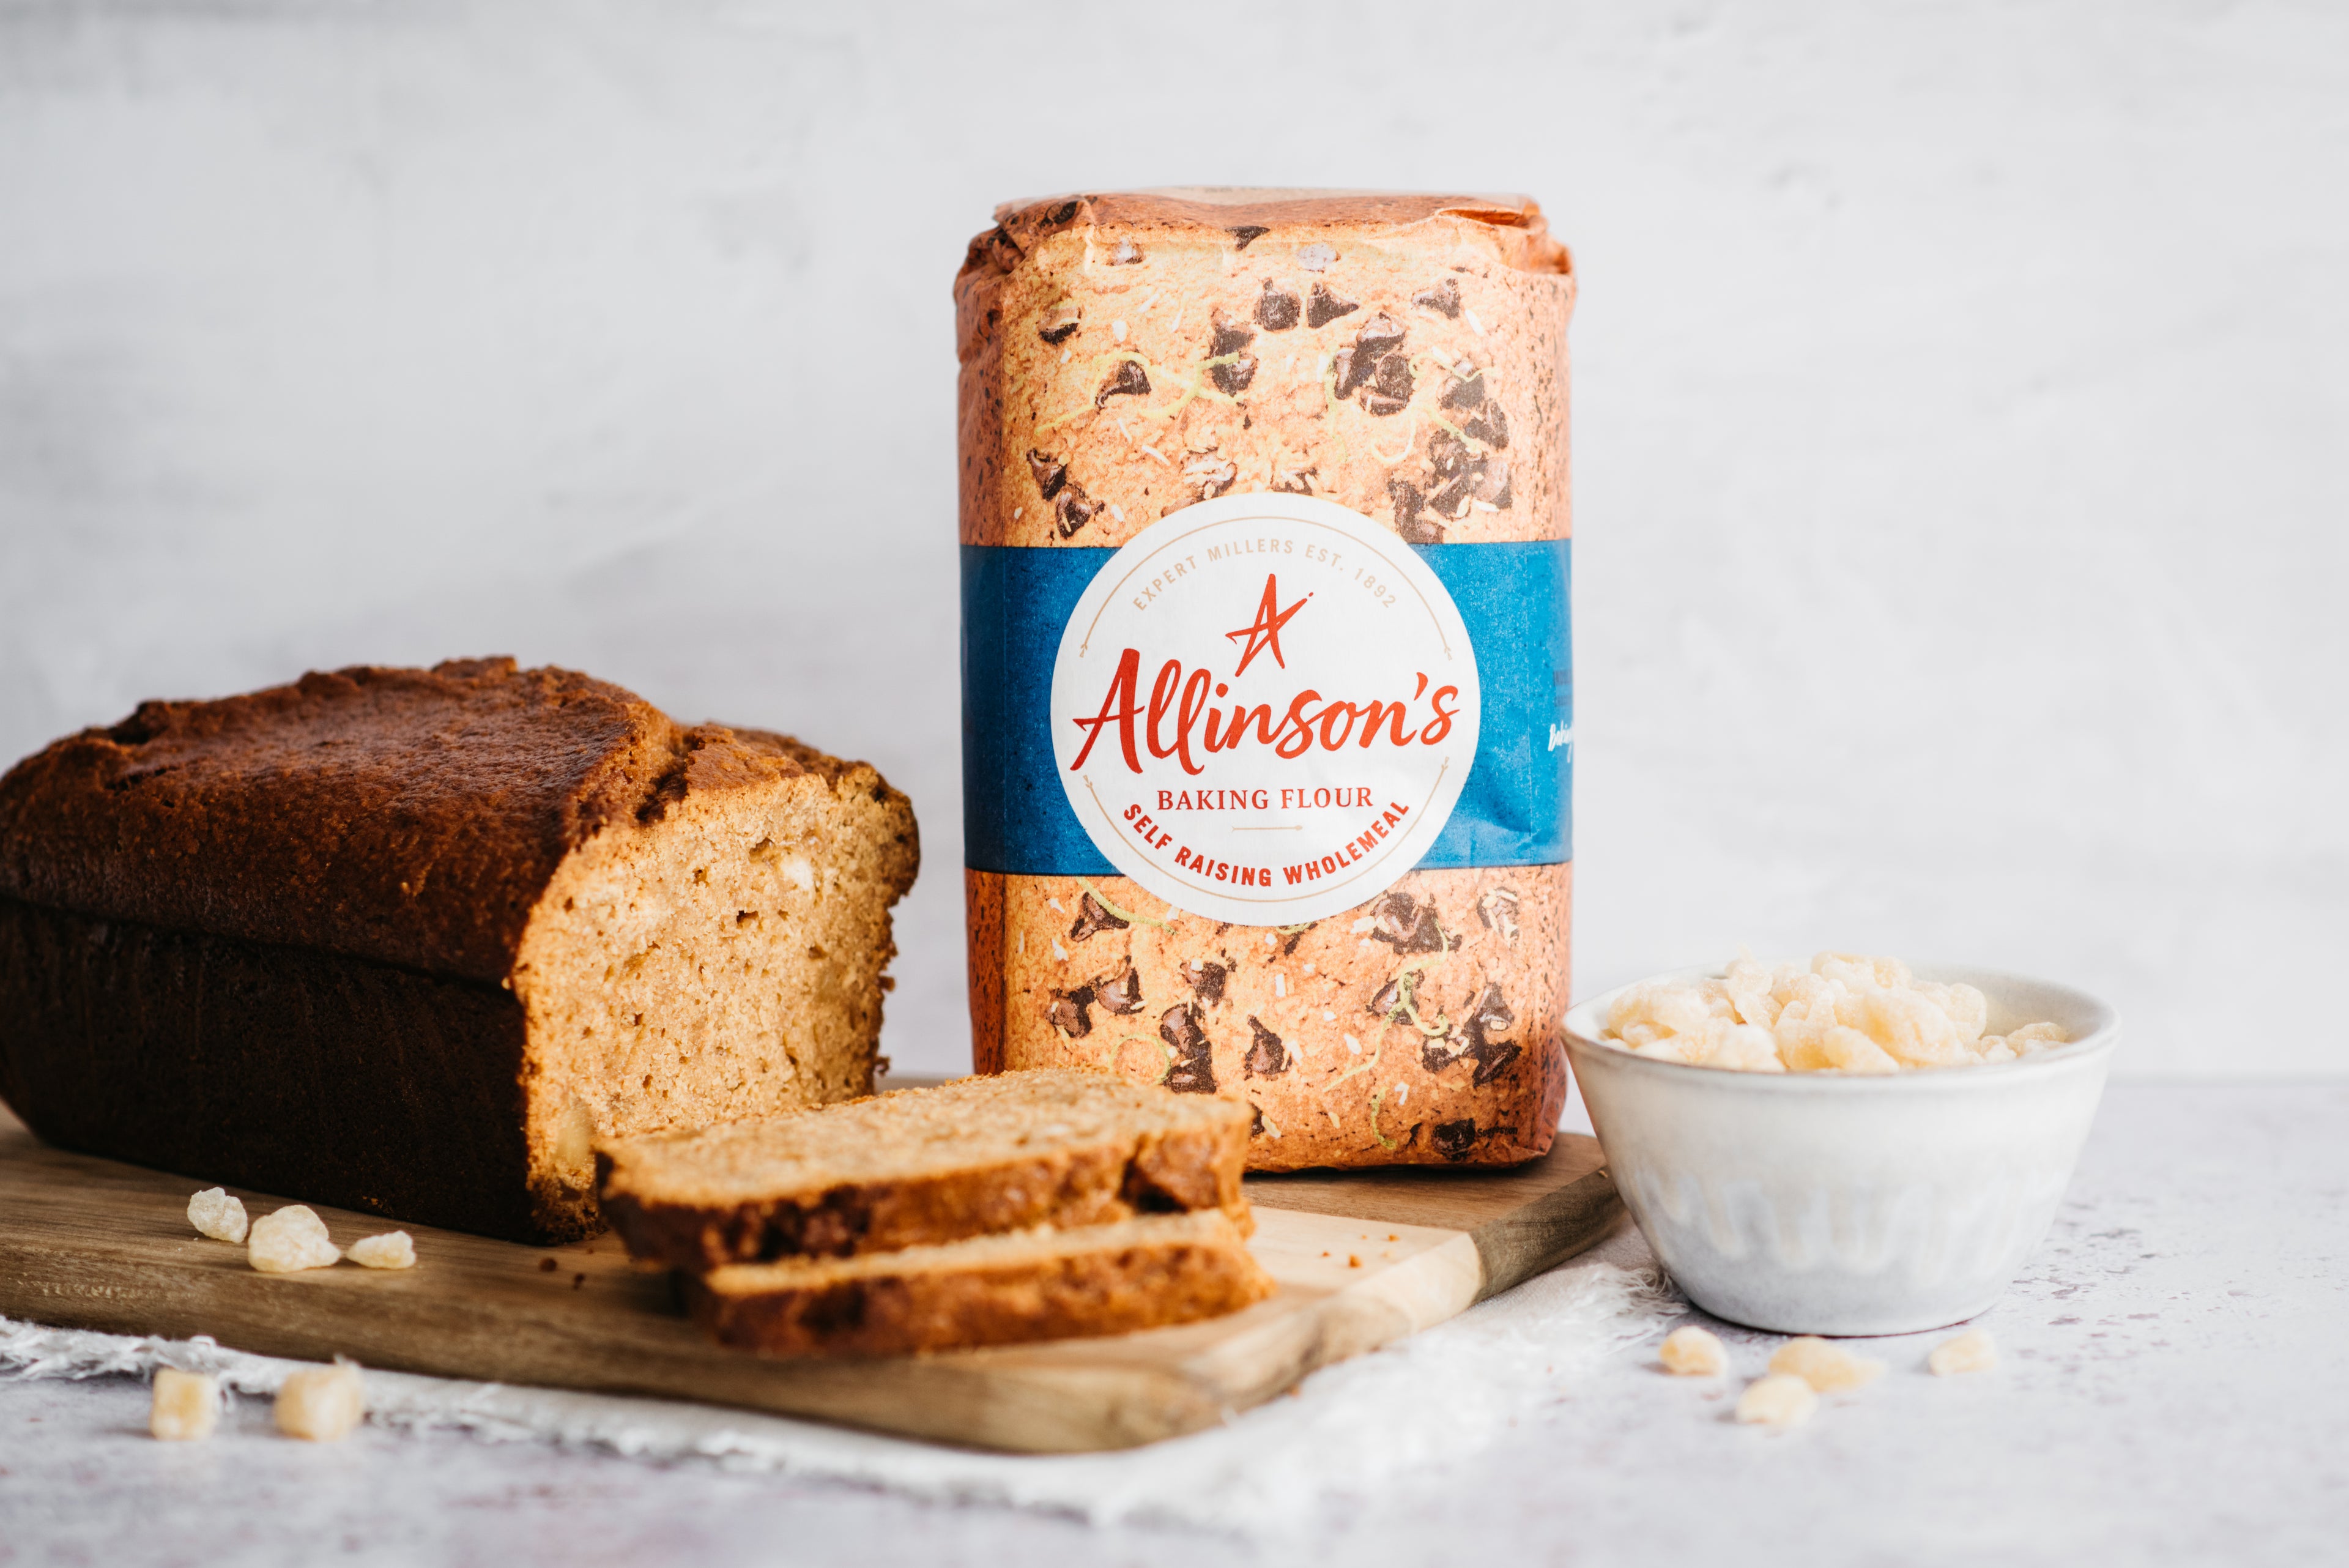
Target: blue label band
x: 1516, y: 808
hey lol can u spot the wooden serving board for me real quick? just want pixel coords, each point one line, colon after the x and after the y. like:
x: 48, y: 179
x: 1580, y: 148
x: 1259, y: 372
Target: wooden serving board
x: 1363, y: 1259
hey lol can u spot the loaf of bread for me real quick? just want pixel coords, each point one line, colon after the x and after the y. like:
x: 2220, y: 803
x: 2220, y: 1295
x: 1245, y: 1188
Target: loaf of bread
x: 923, y: 1165
x: 1127, y: 355
x: 410, y: 941
x: 1145, y: 1272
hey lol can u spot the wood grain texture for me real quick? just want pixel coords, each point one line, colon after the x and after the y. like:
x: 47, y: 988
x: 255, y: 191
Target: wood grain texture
x: 1523, y: 1219
x: 1362, y: 1258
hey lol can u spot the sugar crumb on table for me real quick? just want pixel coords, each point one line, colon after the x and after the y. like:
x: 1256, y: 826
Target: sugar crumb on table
x: 1827, y: 1368
x: 291, y: 1240
x: 215, y: 1214
x: 392, y: 1249
x: 1776, y: 1400
x: 321, y: 1404
x: 186, y: 1406
x: 1972, y: 1351
x: 1692, y: 1352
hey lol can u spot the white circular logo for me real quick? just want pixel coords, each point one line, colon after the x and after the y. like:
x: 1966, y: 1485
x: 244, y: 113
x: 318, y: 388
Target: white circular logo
x: 1264, y: 708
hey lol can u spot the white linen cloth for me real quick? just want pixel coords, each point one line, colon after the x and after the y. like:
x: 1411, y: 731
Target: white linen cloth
x: 1450, y: 1390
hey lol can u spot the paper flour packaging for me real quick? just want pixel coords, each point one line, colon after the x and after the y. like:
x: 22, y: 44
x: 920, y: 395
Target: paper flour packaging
x: 1267, y: 695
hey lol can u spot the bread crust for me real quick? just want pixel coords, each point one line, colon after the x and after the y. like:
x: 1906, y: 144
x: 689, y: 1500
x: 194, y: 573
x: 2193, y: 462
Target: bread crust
x: 1264, y: 289
x: 1175, y: 1272
x: 408, y: 816
x: 266, y: 940
x: 1190, y: 1164
x: 273, y: 1068
x: 868, y: 1217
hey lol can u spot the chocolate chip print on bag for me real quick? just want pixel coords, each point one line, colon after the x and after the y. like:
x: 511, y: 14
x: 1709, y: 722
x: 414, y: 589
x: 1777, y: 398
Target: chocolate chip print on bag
x: 1293, y: 376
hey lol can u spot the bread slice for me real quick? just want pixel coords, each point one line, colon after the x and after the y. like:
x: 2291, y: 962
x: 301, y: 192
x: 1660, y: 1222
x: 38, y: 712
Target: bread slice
x: 1145, y: 1272
x: 926, y: 1165
x: 412, y: 940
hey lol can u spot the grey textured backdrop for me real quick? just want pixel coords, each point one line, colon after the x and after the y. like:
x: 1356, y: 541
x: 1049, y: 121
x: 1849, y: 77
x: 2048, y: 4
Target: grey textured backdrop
x: 1960, y: 412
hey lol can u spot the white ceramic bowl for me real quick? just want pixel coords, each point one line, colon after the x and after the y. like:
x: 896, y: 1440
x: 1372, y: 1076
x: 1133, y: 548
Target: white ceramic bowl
x: 1817, y: 1203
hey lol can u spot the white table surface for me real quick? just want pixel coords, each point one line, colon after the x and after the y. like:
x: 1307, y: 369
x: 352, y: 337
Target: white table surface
x: 2175, y: 1387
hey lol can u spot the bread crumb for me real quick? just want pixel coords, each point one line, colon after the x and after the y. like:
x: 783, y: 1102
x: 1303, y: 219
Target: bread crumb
x: 1972, y: 1351
x: 215, y: 1214
x: 187, y: 1405
x: 1825, y: 1367
x: 1779, y: 1399
x: 1353, y: 1261
x: 1694, y: 1352
x: 322, y: 1403
x: 392, y: 1249
x: 289, y: 1240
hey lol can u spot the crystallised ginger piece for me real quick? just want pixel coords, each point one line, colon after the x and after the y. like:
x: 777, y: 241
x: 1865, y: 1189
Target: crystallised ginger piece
x: 1967, y: 1009
x: 1904, y: 1024
x: 1827, y: 1368
x: 1801, y: 1032
x: 187, y: 1405
x: 322, y: 1403
x: 1849, y: 1051
x: 1790, y: 985
x: 2036, y: 1037
x: 1747, y: 984
x: 1779, y: 1399
x: 1972, y: 1351
x: 1861, y: 972
x: 1694, y: 1352
x: 1716, y: 1042
x: 215, y: 1214
x: 1721, y: 1042
x: 392, y: 1249
x: 1746, y: 1047
x: 289, y: 1240
x: 1832, y: 1048
x: 1666, y: 1007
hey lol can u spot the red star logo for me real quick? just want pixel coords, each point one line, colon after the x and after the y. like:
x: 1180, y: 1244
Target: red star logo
x: 1265, y: 631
